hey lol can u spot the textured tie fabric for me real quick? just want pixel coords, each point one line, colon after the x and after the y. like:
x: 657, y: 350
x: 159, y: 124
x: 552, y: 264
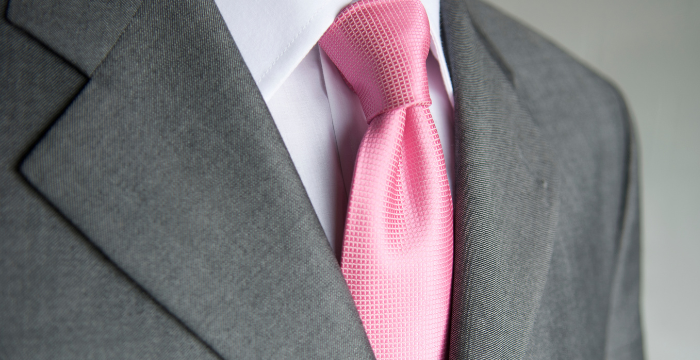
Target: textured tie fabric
x: 397, y: 249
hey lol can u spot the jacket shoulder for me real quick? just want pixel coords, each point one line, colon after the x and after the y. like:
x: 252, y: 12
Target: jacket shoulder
x: 582, y: 114
x: 547, y: 78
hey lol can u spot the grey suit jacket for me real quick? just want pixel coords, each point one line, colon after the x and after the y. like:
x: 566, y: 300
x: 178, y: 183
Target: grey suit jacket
x: 150, y: 210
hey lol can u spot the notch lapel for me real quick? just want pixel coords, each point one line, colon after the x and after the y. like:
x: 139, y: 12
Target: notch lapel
x: 170, y: 163
x: 506, y: 200
x: 81, y: 31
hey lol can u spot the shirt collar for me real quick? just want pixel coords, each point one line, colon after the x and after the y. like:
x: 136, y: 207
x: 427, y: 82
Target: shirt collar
x: 274, y: 36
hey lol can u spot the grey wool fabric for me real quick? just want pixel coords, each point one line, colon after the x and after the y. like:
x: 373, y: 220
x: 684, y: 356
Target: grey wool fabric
x: 150, y: 210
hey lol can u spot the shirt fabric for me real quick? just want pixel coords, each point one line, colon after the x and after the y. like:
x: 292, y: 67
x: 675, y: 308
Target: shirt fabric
x: 319, y: 118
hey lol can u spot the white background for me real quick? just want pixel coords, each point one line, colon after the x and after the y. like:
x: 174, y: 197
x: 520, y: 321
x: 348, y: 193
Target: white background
x: 651, y: 50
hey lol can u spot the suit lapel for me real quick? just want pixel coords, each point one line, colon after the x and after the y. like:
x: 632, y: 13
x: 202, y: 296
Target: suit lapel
x: 80, y: 31
x: 506, y: 200
x: 171, y: 164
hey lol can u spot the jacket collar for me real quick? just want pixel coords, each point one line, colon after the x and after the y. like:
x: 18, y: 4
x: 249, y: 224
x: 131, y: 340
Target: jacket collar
x: 80, y: 31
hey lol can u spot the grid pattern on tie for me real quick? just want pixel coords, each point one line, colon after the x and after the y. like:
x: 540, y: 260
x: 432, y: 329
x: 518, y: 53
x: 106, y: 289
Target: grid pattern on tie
x: 397, y: 250
x: 391, y: 45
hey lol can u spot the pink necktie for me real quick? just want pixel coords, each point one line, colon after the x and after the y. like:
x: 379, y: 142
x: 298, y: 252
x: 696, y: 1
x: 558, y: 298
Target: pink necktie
x: 397, y: 250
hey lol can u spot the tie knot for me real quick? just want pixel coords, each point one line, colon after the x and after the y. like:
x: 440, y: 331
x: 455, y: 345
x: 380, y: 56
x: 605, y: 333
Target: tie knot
x: 380, y: 48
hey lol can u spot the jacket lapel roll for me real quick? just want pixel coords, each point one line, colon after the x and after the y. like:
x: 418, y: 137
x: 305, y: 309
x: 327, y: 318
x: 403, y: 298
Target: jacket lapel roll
x: 171, y: 164
x: 506, y: 201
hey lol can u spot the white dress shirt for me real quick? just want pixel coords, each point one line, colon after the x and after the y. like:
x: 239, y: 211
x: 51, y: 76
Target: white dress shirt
x: 319, y: 118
